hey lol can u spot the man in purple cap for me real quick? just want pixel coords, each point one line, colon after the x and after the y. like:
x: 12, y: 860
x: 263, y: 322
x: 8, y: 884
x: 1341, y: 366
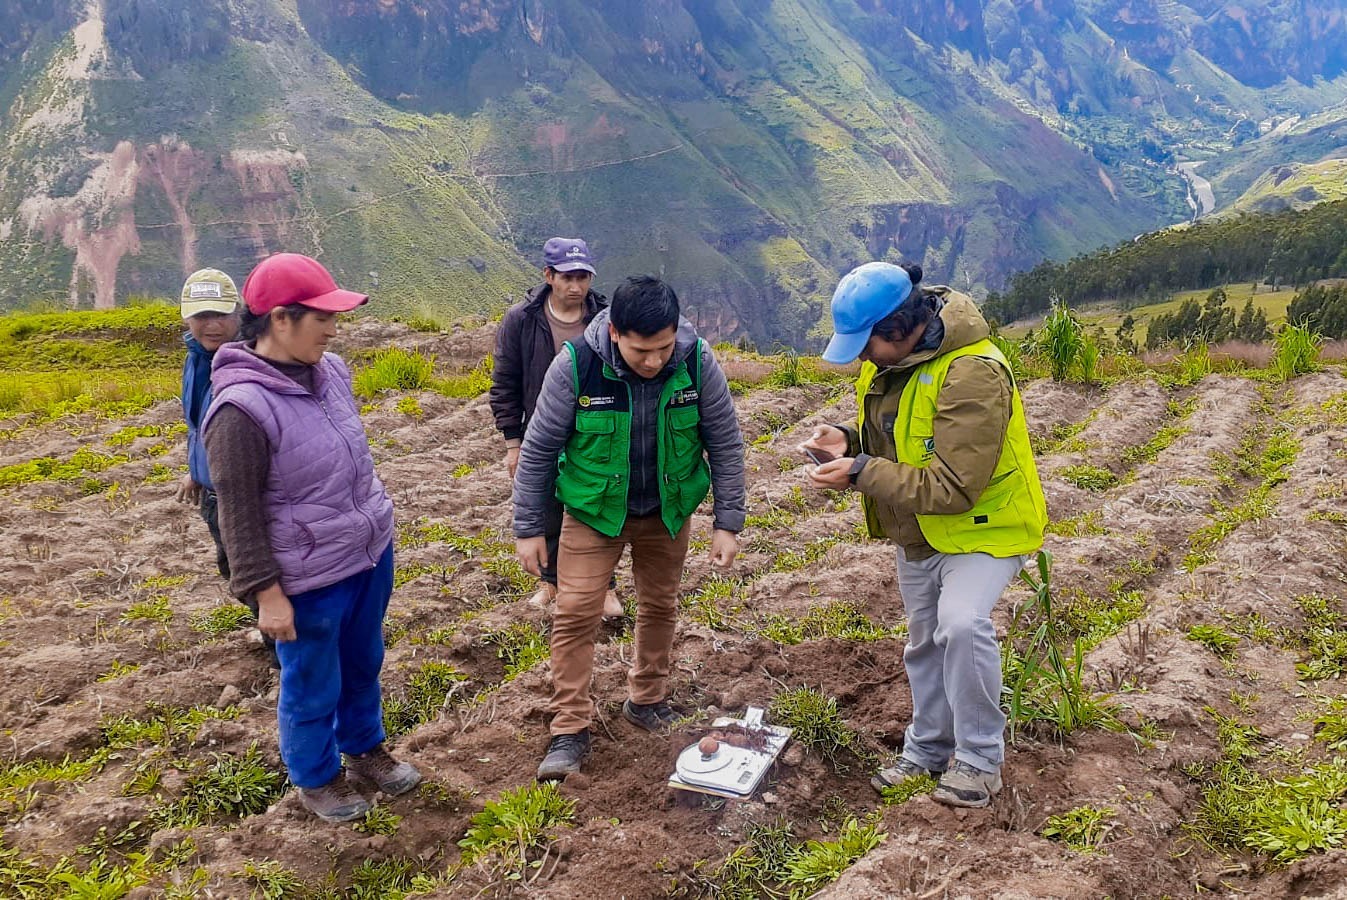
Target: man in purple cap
x: 530, y: 336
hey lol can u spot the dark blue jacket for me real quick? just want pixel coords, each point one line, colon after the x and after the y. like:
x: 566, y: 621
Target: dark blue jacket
x: 195, y: 402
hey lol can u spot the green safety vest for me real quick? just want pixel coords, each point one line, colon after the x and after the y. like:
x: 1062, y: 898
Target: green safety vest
x: 594, y: 469
x: 1011, y: 514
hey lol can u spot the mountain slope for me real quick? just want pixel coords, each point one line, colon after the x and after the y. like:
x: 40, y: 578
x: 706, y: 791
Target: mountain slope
x: 747, y: 150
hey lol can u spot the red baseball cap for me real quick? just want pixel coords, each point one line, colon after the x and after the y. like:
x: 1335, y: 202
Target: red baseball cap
x: 285, y: 279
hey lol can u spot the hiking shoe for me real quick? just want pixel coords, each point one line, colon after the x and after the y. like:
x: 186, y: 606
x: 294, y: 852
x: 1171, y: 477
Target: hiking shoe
x: 564, y: 755
x: 966, y: 785
x: 654, y: 717
x: 335, y: 801
x: 380, y: 768
x: 901, y: 771
x: 612, y: 606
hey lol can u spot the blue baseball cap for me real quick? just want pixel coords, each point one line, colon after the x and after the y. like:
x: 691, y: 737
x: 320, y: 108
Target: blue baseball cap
x: 865, y: 295
x: 567, y: 255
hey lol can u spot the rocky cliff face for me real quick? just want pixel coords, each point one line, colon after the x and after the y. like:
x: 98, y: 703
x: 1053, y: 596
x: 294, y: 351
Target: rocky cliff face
x: 747, y: 150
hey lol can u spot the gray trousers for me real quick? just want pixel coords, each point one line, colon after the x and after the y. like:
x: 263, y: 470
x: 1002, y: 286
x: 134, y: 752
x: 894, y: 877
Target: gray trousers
x: 953, y: 660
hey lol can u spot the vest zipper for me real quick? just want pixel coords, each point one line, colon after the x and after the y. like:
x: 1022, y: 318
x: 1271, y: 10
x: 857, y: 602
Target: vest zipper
x: 355, y: 470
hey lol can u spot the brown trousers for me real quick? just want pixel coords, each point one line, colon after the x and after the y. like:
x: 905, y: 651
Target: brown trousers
x: 585, y: 563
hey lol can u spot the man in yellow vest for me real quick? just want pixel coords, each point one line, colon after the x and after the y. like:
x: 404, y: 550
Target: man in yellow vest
x: 940, y: 454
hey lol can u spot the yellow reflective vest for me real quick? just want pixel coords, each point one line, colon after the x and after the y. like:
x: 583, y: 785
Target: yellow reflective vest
x: 1009, y: 517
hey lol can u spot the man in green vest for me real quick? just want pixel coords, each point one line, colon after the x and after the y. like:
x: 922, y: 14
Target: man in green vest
x: 940, y: 455
x: 634, y: 425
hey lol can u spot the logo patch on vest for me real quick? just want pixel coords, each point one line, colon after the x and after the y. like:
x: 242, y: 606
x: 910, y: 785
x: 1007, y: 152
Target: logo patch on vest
x: 686, y: 395
x: 587, y: 401
x: 929, y: 445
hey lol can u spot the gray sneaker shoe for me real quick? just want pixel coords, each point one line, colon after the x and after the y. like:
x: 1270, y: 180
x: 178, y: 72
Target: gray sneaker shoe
x: 902, y: 770
x: 656, y: 717
x: 335, y: 801
x: 564, y: 755
x: 380, y: 769
x: 965, y: 785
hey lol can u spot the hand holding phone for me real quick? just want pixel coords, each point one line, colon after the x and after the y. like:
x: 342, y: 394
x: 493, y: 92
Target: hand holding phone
x: 818, y: 457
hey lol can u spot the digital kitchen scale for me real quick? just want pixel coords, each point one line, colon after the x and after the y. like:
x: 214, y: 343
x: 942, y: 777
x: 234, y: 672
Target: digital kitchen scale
x: 730, y: 771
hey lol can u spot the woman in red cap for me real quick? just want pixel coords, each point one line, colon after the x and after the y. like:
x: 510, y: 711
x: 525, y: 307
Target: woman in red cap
x: 308, y: 529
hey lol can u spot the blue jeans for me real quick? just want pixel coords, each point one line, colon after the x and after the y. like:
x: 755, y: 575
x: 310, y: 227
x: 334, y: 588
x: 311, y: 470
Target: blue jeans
x: 329, y: 702
x: 953, y: 660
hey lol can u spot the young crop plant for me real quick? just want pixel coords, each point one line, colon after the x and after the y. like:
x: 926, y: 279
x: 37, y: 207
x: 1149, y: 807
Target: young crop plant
x: 473, y: 384
x: 427, y: 692
x: 1330, y: 725
x: 818, y: 726
x: 410, y: 406
x: 513, y: 835
x: 1087, y: 523
x: 832, y: 620
x: 1284, y: 815
x: 1215, y: 639
x: 379, y: 820
x: 1083, y: 829
x: 272, y: 881
x: 772, y: 863
x: 898, y: 794
x: 230, y: 788
x: 155, y: 609
x: 1091, y: 478
x: 166, y: 726
x: 222, y: 619
x: 1042, y: 683
x: 117, y: 670
x: 388, y: 879
x: 1177, y: 413
x: 705, y: 605
x: 521, y: 646
x: 1323, y: 640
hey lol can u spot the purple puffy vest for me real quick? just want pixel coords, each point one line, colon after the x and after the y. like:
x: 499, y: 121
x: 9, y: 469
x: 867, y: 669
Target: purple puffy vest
x: 327, y: 512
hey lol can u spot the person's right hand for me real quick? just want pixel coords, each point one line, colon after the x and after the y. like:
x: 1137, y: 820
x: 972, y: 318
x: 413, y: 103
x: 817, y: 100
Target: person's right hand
x: 188, y: 491
x: 827, y: 438
x: 275, y: 614
x: 512, y: 461
x: 532, y: 553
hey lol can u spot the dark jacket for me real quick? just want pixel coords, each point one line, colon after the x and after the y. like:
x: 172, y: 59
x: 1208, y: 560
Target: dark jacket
x: 195, y: 401
x: 536, y: 479
x: 524, y: 350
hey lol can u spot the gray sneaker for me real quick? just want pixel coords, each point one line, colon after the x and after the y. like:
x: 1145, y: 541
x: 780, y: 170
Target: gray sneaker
x: 966, y: 785
x: 380, y: 769
x: 335, y: 801
x: 901, y: 771
x: 564, y: 755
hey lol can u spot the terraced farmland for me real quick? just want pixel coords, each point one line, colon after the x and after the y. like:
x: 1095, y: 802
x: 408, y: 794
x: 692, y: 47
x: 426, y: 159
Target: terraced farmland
x: 1198, y: 564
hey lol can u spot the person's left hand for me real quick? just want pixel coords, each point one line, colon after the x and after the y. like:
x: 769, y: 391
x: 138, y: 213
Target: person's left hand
x: 724, y: 548
x: 834, y: 474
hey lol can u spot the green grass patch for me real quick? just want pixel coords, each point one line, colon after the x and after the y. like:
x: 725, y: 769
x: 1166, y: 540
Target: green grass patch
x: 1215, y: 639
x: 1082, y: 829
x: 394, y: 369
x: 222, y: 619
x: 232, y: 787
x: 511, y: 835
x: 819, y: 727
x: 427, y: 692
x: 521, y: 646
x: 774, y: 863
x: 165, y: 726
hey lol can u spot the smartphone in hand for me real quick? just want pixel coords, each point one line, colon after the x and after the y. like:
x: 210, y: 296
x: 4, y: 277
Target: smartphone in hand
x: 818, y: 457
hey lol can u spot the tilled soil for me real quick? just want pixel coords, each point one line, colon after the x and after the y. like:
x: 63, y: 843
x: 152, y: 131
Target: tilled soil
x: 75, y: 566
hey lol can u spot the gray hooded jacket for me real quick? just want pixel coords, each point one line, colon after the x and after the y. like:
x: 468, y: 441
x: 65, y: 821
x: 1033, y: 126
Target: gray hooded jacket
x: 553, y: 422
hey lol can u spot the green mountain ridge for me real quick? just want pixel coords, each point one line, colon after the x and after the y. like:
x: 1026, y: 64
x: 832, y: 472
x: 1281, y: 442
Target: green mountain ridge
x: 747, y: 150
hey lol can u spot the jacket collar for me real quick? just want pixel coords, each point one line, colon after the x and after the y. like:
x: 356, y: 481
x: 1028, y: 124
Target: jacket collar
x: 598, y: 337
x: 537, y: 295
x: 238, y: 363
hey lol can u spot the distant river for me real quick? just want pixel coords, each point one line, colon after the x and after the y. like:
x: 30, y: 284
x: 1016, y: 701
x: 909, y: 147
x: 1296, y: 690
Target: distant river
x: 1200, y: 196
